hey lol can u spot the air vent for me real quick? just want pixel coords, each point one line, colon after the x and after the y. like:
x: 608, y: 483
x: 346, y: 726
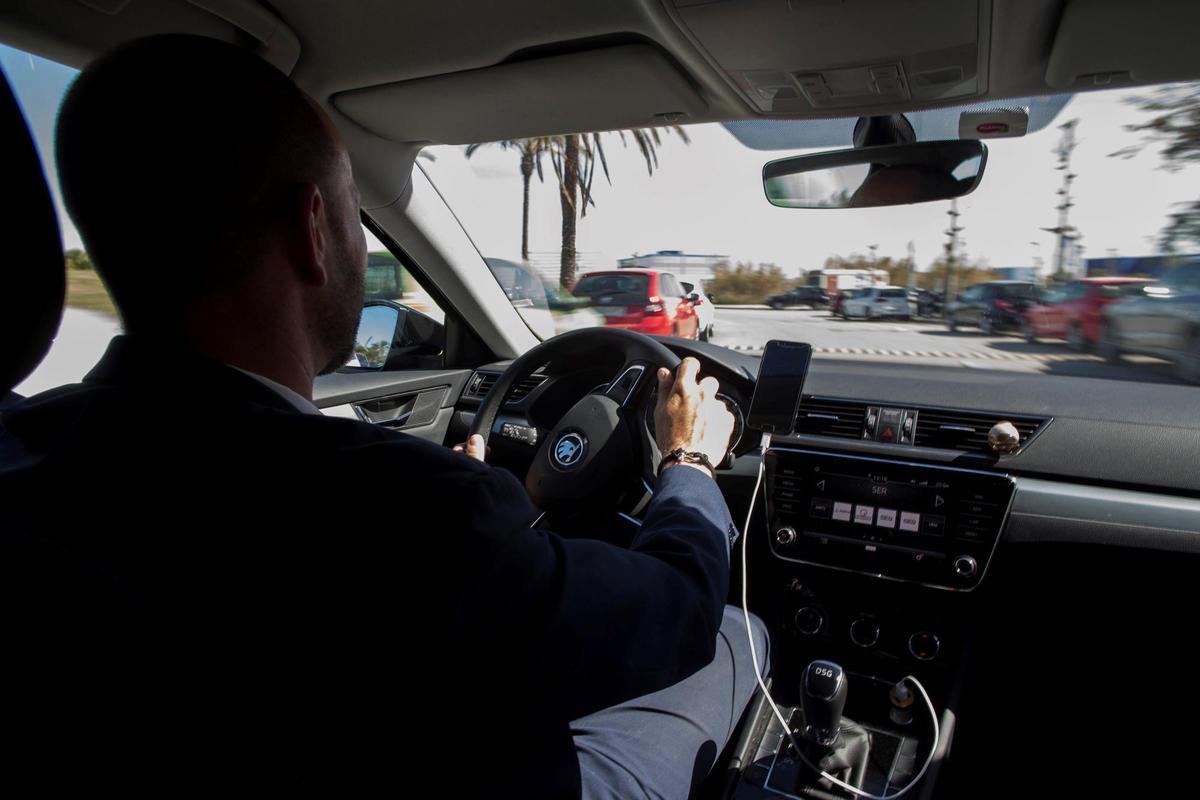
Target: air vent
x: 966, y: 430
x: 482, y: 382
x: 524, y: 387
x: 838, y: 418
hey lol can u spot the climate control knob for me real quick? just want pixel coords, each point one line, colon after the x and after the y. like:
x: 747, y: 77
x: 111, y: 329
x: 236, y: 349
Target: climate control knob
x: 809, y: 620
x: 864, y: 632
x: 785, y: 535
x: 965, y: 567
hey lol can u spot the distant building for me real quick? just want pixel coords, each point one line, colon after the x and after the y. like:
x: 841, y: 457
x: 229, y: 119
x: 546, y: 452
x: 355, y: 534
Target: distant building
x: 691, y: 267
x: 1016, y: 274
x: 385, y: 277
x: 833, y: 280
x: 1148, y: 266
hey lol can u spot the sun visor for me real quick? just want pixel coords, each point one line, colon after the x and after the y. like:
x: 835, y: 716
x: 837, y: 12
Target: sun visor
x: 615, y: 87
x: 1103, y: 43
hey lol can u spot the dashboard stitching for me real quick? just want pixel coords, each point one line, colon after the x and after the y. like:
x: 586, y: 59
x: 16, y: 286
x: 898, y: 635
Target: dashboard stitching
x: 1103, y: 522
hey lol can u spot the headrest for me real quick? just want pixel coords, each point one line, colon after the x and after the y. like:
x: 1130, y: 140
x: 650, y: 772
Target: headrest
x: 32, y: 274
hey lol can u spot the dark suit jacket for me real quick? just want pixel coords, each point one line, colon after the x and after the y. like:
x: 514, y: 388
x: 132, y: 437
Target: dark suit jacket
x: 332, y: 599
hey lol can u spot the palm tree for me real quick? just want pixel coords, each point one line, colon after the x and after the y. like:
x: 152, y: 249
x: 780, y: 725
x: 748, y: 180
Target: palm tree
x: 531, y: 151
x: 574, y: 158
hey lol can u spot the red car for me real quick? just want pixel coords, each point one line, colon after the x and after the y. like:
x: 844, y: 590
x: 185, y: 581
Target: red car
x: 1074, y: 311
x: 643, y: 300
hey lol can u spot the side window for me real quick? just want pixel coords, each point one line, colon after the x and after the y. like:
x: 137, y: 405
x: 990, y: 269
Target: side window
x: 388, y: 279
x: 671, y: 286
x: 90, y: 319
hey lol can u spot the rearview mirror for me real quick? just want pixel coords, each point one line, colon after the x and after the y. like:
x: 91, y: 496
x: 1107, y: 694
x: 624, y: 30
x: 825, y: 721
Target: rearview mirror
x: 866, y: 177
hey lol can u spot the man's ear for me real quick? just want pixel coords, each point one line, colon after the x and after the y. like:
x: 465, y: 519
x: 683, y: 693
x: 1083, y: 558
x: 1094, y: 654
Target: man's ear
x: 310, y: 250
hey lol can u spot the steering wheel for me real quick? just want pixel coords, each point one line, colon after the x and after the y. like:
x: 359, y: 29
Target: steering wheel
x: 601, y: 446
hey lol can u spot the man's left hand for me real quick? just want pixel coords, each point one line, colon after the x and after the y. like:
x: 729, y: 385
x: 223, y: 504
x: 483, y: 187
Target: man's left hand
x: 473, y: 447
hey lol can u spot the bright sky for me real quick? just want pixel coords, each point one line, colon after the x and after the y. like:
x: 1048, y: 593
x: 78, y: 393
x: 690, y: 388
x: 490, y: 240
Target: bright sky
x: 707, y: 197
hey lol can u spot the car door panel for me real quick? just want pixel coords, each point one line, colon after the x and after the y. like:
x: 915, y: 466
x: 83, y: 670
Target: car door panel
x: 417, y: 402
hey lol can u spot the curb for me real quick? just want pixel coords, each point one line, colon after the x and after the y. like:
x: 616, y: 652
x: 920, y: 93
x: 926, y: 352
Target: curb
x: 970, y: 355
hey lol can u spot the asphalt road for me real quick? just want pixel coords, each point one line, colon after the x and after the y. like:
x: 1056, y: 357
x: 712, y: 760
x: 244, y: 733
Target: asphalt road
x: 919, y: 341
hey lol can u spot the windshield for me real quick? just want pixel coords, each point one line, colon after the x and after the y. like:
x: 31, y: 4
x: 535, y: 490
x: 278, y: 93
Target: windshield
x: 1095, y: 188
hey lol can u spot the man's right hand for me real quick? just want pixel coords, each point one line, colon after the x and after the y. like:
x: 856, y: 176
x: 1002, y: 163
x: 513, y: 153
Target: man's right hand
x: 689, y: 415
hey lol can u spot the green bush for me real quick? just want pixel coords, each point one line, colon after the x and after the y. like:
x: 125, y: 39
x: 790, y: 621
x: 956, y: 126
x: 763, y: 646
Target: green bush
x: 745, y: 284
x: 77, y: 259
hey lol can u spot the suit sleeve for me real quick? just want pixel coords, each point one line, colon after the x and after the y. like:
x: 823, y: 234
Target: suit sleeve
x: 585, y: 624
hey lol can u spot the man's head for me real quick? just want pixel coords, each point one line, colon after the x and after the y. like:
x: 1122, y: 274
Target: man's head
x: 203, y: 181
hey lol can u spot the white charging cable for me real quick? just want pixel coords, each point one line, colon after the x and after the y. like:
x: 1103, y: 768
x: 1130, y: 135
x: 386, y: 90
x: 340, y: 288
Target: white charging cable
x: 766, y: 443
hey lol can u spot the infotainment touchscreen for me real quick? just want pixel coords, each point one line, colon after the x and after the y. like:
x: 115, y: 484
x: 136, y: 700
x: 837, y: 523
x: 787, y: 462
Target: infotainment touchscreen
x: 915, y: 522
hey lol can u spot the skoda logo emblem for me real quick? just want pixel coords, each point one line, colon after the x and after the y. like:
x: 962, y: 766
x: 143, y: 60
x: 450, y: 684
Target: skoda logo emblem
x: 568, y: 450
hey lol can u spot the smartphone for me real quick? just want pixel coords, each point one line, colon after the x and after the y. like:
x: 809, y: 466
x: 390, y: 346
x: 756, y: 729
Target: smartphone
x: 780, y: 383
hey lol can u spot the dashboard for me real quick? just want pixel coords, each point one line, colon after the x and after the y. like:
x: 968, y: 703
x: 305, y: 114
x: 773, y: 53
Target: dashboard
x: 1129, y: 436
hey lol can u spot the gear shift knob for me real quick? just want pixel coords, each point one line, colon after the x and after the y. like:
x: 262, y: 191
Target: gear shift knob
x: 822, y: 698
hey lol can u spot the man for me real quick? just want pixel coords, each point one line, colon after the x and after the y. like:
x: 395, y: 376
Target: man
x: 263, y: 594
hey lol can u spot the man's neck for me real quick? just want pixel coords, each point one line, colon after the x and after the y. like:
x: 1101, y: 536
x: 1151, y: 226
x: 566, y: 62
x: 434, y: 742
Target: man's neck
x: 278, y: 358
x: 287, y: 373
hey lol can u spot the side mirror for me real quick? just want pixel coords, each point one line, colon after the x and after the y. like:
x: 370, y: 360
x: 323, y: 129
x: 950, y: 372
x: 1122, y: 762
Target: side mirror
x: 866, y: 177
x: 394, y: 336
x: 693, y: 298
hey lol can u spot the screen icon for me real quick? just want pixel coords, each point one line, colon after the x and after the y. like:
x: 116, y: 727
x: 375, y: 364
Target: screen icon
x: 910, y: 521
x: 841, y: 512
x: 864, y: 515
x: 886, y: 518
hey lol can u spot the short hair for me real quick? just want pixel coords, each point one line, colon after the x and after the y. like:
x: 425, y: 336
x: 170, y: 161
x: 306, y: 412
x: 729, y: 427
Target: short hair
x: 178, y: 157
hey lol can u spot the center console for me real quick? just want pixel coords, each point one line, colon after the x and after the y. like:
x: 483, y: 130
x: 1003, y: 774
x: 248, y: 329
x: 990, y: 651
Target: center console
x: 871, y: 567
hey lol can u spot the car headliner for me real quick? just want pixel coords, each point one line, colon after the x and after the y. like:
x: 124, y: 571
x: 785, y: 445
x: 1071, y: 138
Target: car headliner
x: 457, y: 71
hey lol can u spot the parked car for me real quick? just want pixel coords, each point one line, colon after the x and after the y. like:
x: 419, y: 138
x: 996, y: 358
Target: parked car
x: 1075, y: 311
x: 1163, y: 320
x: 835, y: 304
x: 878, y: 302
x: 994, y: 307
x: 811, y: 296
x: 647, y: 301
x: 706, y: 312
